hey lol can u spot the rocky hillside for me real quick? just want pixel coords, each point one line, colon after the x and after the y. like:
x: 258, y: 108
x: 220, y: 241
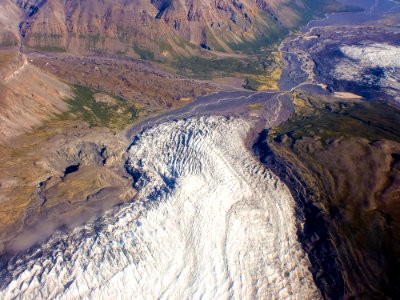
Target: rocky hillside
x: 342, y: 162
x: 28, y: 97
x: 9, y: 19
x: 159, y: 28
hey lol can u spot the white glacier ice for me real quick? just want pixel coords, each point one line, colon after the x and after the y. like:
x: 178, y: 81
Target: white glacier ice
x: 374, y: 55
x: 210, y: 223
x: 361, y: 59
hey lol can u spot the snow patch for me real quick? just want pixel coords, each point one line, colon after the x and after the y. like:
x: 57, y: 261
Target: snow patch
x: 374, y: 55
x: 374, y: 65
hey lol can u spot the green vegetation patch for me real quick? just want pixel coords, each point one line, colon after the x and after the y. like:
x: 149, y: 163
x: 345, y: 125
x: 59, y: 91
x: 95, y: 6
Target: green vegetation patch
x: 92, y: 40
x: 8, y: 39
x: 115, y: 115
x: 207, y: 68
x: 46, y: 42
x: 270, y: 34
x: 260, y: 72
x: 144, y: 53
x: 47, y: 48
x: 331, y: 120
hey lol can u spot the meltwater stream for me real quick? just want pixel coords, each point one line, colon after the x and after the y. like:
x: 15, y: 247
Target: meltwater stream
x: 210, y: 223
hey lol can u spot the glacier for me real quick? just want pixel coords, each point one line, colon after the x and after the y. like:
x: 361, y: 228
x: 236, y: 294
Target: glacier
x: 373, y: 55
x: 210, y: 222
x: 375, y: 64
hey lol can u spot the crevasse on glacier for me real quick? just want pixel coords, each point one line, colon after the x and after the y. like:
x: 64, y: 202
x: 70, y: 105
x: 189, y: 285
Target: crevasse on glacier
x: 210, y: 223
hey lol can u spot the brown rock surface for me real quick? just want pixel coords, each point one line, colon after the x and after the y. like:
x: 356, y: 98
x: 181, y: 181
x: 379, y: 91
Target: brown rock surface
x: 166, y: 28
x: 59, y: 175
x: 151, y: 88
x: 344, y: 159
x: 9, y: 21
x: 28, y: 96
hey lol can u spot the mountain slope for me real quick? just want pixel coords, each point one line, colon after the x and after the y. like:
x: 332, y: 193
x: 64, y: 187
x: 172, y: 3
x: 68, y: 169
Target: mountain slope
x: 160, y: 28
x: 9, y: 19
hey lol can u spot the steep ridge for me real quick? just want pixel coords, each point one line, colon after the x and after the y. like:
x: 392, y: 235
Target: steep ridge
x: 9, y: 21
x: 160, y: 28
x: 195, y: 177
x: 29, y: 96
